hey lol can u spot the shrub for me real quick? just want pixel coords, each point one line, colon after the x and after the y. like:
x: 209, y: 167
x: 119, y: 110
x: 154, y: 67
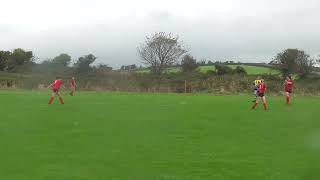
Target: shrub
x: 240, y: 70
x: 223, y: 69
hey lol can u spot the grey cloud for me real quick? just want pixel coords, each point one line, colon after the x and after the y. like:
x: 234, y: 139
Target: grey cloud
x: 160, y: 16
x: 250, y: 36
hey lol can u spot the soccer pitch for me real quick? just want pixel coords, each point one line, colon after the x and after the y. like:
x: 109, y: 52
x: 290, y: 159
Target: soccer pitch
x: 101, y: 136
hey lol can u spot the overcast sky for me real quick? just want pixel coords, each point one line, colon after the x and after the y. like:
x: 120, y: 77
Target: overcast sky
x: 244, y: 30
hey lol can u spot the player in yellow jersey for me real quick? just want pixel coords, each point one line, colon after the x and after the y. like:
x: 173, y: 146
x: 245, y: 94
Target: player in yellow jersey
x: 255, y: 85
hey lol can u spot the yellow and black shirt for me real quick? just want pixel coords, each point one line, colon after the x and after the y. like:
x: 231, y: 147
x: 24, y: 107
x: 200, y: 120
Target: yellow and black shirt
x: 257, y: 82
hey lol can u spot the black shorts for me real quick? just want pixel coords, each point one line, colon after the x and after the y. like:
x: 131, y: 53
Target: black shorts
x: 260, y: 94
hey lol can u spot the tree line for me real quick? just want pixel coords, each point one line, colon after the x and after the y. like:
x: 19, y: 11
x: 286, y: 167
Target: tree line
x: 20, y: 60
x: 159, y: 52
x: 162, y: 50
x: 18, y: 57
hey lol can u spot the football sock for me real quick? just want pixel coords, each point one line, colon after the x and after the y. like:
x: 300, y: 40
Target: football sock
x: 51, y: 100
x: 265, y: 106
x: 254, y: 105
x: 61, y: 100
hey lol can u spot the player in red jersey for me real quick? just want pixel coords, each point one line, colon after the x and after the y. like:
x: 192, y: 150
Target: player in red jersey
x: 56, y: 85
x: 72, y: 85
x: 261, y: 95
x: 288, y: 87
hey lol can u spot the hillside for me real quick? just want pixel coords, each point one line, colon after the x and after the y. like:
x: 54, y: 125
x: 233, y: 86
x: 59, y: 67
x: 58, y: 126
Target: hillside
x: 251, y: 70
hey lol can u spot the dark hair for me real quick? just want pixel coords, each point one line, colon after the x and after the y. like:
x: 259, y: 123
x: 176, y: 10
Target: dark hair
x: 289, y: 76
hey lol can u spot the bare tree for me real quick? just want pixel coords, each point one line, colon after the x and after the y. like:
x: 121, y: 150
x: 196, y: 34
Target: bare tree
x: 160, y: 51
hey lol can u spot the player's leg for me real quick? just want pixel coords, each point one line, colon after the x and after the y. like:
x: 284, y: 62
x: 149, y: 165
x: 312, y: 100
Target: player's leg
x: 51, y: 97
x: 264, y: 102
x: 256, y: 103
x: 255, y: 93
x: 290, y: 96
x: 286, y: 96
x: 60, y: 98
x: 71, y: 91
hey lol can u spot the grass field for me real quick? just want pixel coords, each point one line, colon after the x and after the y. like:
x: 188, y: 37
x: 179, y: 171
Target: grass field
x: 251, y: 70
x: 100, y: 136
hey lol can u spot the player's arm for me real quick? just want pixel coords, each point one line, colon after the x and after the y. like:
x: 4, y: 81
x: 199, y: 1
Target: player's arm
x: 254, y: 85
x: 285, y: 82
x: 50, y: 86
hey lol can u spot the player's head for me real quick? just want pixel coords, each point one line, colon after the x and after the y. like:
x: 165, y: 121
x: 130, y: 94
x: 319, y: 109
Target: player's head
x: 259, y: 77
x: 288, y: 77
x: 58, y: 77
x: 262, y: 81
x: 72, y: 77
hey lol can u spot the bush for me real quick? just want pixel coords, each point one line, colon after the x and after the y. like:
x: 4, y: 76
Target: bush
x: 240, y: 70
x: 189, y: 64
x: 223, y: 69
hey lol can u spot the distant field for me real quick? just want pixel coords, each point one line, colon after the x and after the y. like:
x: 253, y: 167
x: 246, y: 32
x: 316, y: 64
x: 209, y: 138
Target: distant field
x: 252, y: 70
x: 100, y: 136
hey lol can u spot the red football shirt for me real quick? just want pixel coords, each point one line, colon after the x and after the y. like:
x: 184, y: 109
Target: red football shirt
x: 57, y: 84
x: 288, y: 86
x: 72, y: 83
x: 262, y: 88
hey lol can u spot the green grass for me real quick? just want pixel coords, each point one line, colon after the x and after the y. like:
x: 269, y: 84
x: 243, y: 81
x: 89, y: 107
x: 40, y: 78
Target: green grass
x: 98, y: 136
x: 251, y: 70
x: 254, y: 70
